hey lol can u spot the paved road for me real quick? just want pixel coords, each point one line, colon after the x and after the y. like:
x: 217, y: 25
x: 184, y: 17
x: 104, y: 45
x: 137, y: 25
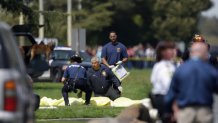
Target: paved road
x: 44, y: 78
x: 216, y: 110
x: 46, y: 74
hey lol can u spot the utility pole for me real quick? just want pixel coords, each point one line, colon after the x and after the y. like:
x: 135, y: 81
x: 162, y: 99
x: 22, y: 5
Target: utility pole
x: 41, y: 19
x: 69, y: 23
x: 79, y: 5
x: 78, y: 30
x: 21, y: 22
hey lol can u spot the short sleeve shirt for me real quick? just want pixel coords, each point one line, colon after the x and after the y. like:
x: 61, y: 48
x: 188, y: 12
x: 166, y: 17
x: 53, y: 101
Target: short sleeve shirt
x: 114, y: 52
x: 73, y: 69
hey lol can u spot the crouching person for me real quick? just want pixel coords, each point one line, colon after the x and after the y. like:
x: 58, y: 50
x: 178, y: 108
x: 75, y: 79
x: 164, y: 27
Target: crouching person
x: 102, y: 81
x: 75, y: 78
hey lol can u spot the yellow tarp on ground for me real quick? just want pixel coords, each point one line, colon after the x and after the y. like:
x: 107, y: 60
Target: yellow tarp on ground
x: 97, y: 101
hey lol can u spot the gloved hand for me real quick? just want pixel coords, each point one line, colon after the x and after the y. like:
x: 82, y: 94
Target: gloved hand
x: 119, y: 62
x: 111, y: 66
x: 120, y: 89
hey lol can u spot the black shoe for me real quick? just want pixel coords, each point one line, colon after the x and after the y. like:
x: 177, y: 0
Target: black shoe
x: 87, y: 103
x: 67, y: 104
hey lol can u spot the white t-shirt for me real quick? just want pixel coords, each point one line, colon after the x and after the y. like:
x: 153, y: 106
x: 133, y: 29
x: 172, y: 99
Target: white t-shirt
x: 161, y: 76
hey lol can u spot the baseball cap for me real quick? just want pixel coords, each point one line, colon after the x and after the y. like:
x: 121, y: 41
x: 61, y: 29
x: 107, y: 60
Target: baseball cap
x: 76, y: 58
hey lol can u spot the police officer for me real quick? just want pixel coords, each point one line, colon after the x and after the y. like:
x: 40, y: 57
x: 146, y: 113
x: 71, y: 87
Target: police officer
x: 75, y: 78
x: 114, y: 52
x: 198, y: 38
x: 102, y: 80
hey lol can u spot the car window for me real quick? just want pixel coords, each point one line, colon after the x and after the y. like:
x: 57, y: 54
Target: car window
x: 3, y: 55
x: 85, y: 57
x: 62, y: 54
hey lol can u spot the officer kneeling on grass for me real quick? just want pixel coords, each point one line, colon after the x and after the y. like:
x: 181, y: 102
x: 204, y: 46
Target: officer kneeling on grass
x: 75, y: 78
x: 102, y: 80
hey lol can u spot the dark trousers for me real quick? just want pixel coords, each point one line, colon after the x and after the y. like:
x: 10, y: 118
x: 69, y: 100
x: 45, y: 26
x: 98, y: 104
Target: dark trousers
x: 158, y: 103
x: 111, y: 93
x: 78, y: 85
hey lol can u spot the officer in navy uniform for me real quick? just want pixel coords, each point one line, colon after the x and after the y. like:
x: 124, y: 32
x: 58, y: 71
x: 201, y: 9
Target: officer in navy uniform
x: 114, y: 52
x: 102, y: 80
x: 75, y: 78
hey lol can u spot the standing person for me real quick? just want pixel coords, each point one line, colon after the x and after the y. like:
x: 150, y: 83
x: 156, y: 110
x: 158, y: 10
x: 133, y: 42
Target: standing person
x: 161, y: 74
x: 75, y: 78
x: 114, y: 52
x: 192, y: 88
x: 102, y: 80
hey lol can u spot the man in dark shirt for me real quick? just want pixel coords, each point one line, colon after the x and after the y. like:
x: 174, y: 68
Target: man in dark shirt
x: 114, y: 52
x: 75, y: 78
x: 102, y: 80
x: 192, y: 88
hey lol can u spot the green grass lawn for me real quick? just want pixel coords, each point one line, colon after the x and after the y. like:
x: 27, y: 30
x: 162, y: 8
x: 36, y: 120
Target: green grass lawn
x: 136, y: 86
x: 61, y: 121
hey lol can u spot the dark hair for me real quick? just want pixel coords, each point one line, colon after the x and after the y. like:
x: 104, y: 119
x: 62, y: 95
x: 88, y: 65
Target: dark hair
x: 112, y: 32
x: 161, y: 46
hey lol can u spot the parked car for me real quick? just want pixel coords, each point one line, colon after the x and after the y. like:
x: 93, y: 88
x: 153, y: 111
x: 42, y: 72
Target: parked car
x: 25, y: 40
x: 60, y: 60
x: 16, y: 96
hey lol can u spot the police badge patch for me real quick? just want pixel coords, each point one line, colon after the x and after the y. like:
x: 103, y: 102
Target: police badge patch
x: 103, y: 73
x: 118, y: 49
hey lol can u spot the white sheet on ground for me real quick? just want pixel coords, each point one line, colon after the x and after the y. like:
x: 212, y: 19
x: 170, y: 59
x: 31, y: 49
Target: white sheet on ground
x: 96, y: 101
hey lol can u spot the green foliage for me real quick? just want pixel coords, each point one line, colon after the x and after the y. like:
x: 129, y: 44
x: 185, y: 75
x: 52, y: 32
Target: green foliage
x: 138, y: 20
x: 100, y: 17
x: 8, y: 17
x: 94, y: 16
x: 134, y: 20
x: 16, y: 7
x: 176, y: 19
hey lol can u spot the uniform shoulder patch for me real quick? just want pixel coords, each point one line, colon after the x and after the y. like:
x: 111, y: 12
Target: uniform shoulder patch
x: 118, y: 49
x: 103, y: 73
